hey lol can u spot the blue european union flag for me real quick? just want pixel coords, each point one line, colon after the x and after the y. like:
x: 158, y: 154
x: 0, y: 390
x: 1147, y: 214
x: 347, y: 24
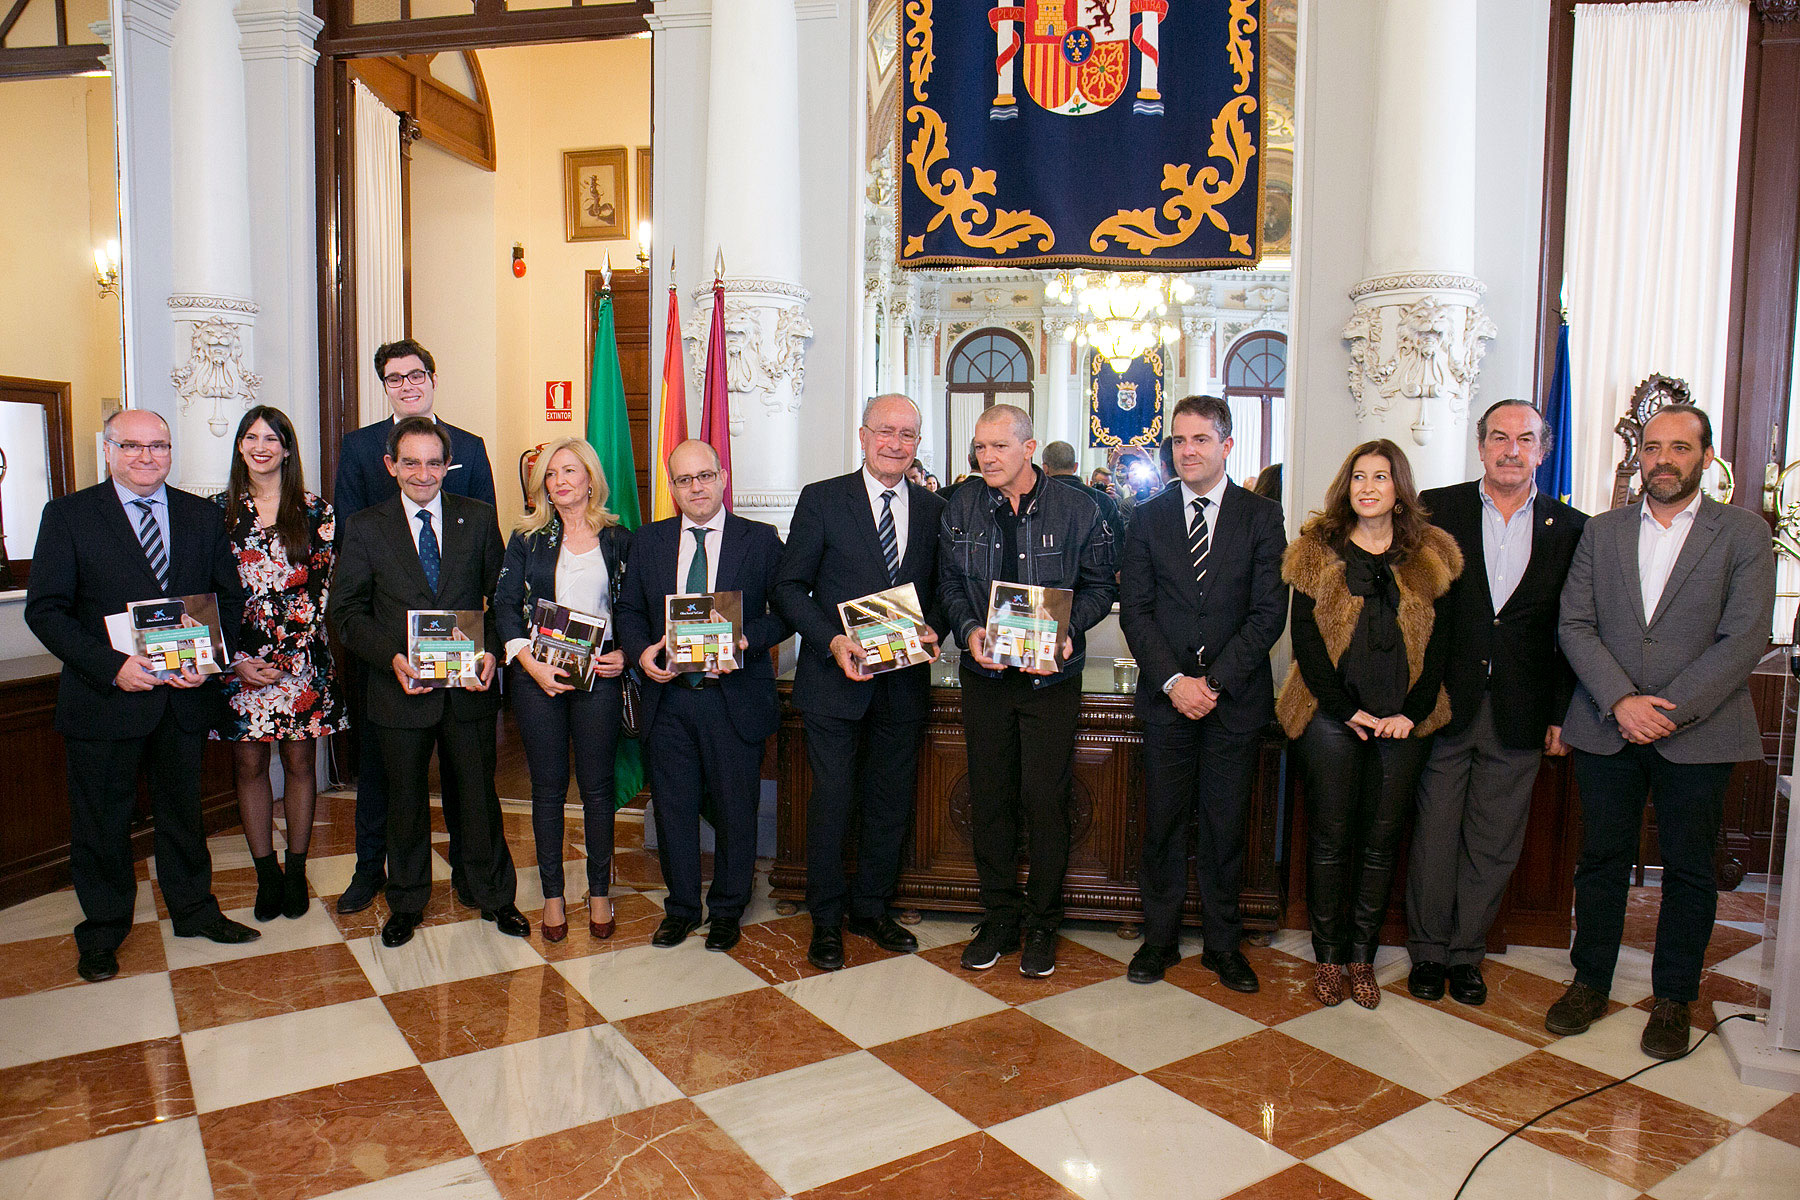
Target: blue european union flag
x: 1556, y: 474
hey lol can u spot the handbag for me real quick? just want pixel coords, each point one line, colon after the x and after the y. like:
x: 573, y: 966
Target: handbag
x: 631, y: 707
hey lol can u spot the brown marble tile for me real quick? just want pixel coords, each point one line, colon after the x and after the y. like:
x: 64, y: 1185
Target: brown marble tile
x: 638, y: 869
x: 1782, y: 1121
x: 64, y: 1100
x: 716, y: 1043
x: 248, y: 988
x: 1742, y: 906
x: 628, y: 831
x: 1727, y: 942
x: 232, y: 889
x: 441, y: 909
x: 330, y: 1138
x: 45, y: 964
x: 1285, y: 992
x: 1076, y: 966
x: 1299, y: 1182
x: 776, y: 949
x: 1516, y: 1004
x: 976, y: 1167
x: 1000, y: 1066
x: 637, y: 918
x: 1626, y: 1132
x: 449, y: 1019
x: 1291, y: 1095
x: 671, y: 1150
x: 1713, y: 987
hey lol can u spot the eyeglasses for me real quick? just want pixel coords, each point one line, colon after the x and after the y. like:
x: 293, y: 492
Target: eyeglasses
x: 906, y: 437
x: 132, y: 449
x: 413, y: 377
x: 707, y: 478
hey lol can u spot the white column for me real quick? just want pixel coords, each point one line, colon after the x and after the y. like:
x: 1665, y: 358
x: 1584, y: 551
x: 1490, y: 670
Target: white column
x: 893, y: 344
x: 1197, y: 336
x: 868, y: 384
x: 1418, y: 331
x: 1064, y: 418
x: 921, y: 383
x: 752, y: 215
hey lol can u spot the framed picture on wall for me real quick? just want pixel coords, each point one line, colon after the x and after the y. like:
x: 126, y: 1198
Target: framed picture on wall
x: 643, y: 183
x: 596, y: 200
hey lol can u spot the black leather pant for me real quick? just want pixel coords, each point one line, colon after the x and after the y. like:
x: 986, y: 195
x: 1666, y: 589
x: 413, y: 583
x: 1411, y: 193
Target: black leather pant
x: 1359, y: 795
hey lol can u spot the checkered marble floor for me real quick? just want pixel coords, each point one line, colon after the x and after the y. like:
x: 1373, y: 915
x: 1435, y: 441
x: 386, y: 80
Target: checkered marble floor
x: 315, y: 1062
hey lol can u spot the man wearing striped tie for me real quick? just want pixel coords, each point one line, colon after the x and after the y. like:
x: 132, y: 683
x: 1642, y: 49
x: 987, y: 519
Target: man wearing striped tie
x: 132, y: 538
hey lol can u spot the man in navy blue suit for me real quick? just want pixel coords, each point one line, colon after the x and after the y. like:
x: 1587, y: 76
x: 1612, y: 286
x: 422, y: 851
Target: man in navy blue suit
x: 409, y: 375
x: 703, y: 733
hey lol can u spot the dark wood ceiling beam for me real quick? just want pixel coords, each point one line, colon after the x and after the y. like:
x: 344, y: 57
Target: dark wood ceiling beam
x: 421, y: 35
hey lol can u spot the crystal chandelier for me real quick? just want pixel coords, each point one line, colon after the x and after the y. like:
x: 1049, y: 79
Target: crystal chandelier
x: 1122, y: 316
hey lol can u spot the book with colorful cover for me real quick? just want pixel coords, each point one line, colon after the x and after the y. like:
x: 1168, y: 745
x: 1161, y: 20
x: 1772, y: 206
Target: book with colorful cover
x: 886, y: 625
x: 566, y: 638
x: 702, y: 631
x: 443, y: 646
x: 1027, y: 625
x: 173, y: 632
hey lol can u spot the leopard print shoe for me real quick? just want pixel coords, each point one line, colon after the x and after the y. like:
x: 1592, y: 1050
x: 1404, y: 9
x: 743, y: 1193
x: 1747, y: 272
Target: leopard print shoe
x: 1363, y: 988
x: 1328, y: 984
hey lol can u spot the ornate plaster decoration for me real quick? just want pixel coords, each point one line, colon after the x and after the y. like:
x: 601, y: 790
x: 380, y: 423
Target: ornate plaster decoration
x: 1196, y: 327
x: 1426, y: 348
x: 215, y: 372
x: 188, y: 302
x: 1779, y: 10
x: 766, y: 336
x: 1419, y: 281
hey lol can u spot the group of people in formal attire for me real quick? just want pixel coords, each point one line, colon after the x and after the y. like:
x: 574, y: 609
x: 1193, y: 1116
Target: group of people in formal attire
x: 1443, y: 642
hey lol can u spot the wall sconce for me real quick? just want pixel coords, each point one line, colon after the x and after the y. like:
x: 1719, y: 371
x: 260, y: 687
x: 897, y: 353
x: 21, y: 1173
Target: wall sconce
x: 106, y: 268
x: 643, y: 251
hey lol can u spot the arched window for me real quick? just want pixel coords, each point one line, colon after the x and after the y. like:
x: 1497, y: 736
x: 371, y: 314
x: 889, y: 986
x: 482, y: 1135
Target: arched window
x: 1256, y: 388
x: 988, y: 367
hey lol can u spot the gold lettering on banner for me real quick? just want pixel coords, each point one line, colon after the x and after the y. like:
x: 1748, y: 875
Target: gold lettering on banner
x: 918, y: 36
x: 957, y: 200
x: 1198, y: 194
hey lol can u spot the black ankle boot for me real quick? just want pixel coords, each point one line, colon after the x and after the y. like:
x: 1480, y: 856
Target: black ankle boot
x: 294, y: 901
x: 268, y: 887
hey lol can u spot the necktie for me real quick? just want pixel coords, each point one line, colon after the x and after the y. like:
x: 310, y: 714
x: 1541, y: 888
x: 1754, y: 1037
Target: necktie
x: 428, y: 550
x: 150, y: 534
x: 890, y: 543
x: 1199, y: 542
x: 696, y: 582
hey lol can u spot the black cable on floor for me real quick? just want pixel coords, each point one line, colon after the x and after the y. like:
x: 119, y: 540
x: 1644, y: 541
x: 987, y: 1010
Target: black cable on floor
x: 1595, y: 1092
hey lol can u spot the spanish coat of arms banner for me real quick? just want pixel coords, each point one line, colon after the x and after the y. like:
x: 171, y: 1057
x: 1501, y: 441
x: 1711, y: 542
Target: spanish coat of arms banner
x: 1120, y: 133
x: 1125, y: 410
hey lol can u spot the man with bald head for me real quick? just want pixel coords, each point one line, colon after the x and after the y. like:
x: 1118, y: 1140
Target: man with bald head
x: 131, y: 537
x: 703, y: 734
x: 853, y: 535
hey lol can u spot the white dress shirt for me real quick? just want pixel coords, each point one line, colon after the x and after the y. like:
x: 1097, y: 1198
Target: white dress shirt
x: 1505, y: 544
x: 900, y: 508
x: 684, y: 553
x: 583, y: 584
x: 436, y: 509
x: 1658, y: 548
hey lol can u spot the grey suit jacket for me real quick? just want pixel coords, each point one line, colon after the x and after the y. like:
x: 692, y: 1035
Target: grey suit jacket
x: 1709, y: 629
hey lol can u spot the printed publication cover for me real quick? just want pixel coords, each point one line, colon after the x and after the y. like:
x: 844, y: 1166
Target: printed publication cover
x: 702, y: 631
x: 886, y: 625
x: 444, y: 645
x: 172, y: 632
x: 562, y: 637
x: 1027, y: 625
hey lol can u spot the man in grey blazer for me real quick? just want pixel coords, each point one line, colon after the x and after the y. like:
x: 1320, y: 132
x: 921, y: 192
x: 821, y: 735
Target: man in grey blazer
x: 1665, y: 613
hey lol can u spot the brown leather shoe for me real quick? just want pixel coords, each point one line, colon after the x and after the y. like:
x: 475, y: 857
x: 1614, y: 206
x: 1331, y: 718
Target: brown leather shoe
x: 1363, y: 988
x: 1579, y: 1008
x: 1328, y: 984
x: 1666, y: 1034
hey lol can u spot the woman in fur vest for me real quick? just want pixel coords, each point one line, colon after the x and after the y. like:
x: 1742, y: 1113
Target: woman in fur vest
x: 1363, y: 697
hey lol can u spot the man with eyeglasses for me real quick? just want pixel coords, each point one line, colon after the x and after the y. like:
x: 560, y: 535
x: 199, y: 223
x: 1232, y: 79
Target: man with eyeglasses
x: 130, y: 538
x: 854, y: 535
x: 409, y: 378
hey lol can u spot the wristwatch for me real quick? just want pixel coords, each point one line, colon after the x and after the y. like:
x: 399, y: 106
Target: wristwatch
x: 1212, y: 681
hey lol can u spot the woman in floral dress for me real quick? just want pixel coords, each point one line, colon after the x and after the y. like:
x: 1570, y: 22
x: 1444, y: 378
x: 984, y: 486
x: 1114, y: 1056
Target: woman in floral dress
x: 284, y: 690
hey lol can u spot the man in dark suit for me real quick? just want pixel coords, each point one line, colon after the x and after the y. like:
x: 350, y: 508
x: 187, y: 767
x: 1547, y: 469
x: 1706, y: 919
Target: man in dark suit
x: 409, y: 375
x: 1665, y: 614
x: 704, y: 733
x: 1475, y: 793
x: 1202, y: 603
x: 395, y: 558
x: 132, y: 538
x: 856, y: 534
x: 1060, y: 465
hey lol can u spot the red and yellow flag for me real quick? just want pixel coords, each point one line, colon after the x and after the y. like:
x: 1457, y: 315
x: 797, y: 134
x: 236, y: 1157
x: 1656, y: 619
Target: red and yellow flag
x: 671, y: 429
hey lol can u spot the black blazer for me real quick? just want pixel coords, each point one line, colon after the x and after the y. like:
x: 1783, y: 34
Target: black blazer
x: 749, y: 552
x: 528, y: 574
x: 363, y: 480
x: 833, y: 554
x: 88, y: 564
x: 1167, y: 623
x: 1530, y: 680
x: 379, y: 578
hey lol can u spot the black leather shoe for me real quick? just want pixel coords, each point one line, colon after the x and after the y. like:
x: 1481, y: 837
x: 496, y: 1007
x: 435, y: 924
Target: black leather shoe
x: 361, y: 893
x: 97, y: 965
x: 1666, y: 1033
x: 224, y: 930
x: 508, y: 920
x: 399, y: 929
x: 885, y: 932
x: 827, y: 949
x: 1233, y: 970
x: 1579, y: 1008
x: 1426, y: 981
x: 722, y: 934
x: 1149, y: 963
x: 673, y: 931
x: 1466, y: 984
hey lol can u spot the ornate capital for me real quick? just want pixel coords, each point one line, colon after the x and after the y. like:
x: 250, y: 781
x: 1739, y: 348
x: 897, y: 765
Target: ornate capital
x: 1405, y: 346
x: 1197, y: 327
x: 766, y: 336
x: 214, y: 372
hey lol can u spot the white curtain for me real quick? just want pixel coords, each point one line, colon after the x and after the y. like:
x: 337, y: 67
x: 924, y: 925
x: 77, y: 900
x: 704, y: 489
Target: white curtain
x: 380, y: 307
x: 1654, y: 123
x: 1244, y: 462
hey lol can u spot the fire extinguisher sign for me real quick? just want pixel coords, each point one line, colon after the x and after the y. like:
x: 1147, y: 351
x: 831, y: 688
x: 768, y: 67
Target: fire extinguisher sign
x: 558, y: 400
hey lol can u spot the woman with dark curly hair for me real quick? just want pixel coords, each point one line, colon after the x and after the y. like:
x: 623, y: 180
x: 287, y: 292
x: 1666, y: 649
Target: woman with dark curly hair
x: 1363, y: 697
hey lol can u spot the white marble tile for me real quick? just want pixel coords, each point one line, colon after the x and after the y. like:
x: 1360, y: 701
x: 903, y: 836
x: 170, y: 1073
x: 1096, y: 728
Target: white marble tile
x: 1745, y: 1166
x: 155, y: 1162
x: 271, y: 1056
x: 762, y: 905
x: 49, y: 915
x: 1703, y: 1079
x: 1141, y: 1026
x: 462, y: 1179
x: 530, y: 1089
x: 1137, y: 1139
x: 941, y: 929
x: 230, y: 852
x: 1631, y: 977
x: 1101, y: 938
x: 644, y: 979
x: 817, y: 1123
x: 1746, y: 965
x: 1425, y: 1153
x: 1391, y: 962
x: 330, y: 875
x: 1416, y: 1045
x: 440, y: 866
x: 891, y: 999
x: 314, y: 928
x: 1753, y: 927
x: 442, y: 954
x: 1297, y: 942
x: 93, y: 1016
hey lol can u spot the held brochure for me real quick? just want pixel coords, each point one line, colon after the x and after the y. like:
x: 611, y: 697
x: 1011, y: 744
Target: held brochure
x: 1027, y: 625
x: 443, y: 646
x: 886, y: 625
x: 172, y: 632
x: 703, y: 629
x: 562, y: 637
